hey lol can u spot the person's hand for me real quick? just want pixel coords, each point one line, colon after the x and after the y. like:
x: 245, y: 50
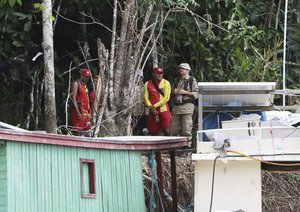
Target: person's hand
x: 152, y: 109
x: 155, y: 113
x: 179, y: 91
x: 175, y: 91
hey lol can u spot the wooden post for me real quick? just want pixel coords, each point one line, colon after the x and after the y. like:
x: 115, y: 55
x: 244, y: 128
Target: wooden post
x: 174, y: 181
x: 160, y: 179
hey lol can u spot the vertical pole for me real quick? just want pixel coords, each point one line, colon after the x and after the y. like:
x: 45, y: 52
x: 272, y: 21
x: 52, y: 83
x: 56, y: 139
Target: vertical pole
x: 284, y: 52
x: 200, y: 117
x: 174, y: 181
x: 200, y: 114
x: 160, y: 179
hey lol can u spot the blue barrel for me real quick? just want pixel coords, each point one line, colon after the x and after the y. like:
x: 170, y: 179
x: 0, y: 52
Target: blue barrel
x: 213, y: 121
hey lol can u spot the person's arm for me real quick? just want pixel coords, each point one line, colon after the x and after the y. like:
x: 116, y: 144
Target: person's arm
x: 193, y: 93
x: 147, y: 101
x: 183, y: 92
x: 195, y: 89
x: 146, y: 95
x: 73, y: 96
x: 167, y: 93
x: 180, y: 91
x: 174, y: 86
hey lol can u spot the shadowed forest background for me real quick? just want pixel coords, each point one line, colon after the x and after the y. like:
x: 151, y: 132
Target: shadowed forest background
x: 222, y: 40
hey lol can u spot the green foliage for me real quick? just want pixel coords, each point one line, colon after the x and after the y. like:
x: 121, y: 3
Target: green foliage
x: 26, y: 18
x: 240, y: 34
x: 39, y: 6
x: 237, y: 49
x: 293, y: 49
x: 184, y: 3
x: 11, y: 3
x: 15, y: 27
x: 174, y: 3
x: 249, y: 58
x: 253, y: 10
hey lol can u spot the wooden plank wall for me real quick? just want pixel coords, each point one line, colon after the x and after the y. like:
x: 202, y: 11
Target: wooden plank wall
x: 3, y: 178
x: 46, y: 178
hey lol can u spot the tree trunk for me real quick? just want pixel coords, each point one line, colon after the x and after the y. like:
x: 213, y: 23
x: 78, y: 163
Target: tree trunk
x: 50, y: 108
x: 122, y: 50
x: 112, y: 55
x: 121, y: 90
x: 102, y: 87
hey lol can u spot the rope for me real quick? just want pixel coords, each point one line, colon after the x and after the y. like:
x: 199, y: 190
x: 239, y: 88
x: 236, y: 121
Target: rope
x: 154, y: 184
x: 262, y: 161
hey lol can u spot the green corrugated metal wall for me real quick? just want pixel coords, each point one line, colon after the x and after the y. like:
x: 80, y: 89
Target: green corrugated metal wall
x: 46, y: 178
x: 3, y: 182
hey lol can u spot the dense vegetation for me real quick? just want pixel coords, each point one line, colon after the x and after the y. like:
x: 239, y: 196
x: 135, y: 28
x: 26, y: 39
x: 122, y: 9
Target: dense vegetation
x: 237, y: 40
x: 223, y: 41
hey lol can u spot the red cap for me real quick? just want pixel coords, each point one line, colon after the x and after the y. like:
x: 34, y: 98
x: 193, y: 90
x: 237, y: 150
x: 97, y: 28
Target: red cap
x: 85, y: 72
x: 158, y: 70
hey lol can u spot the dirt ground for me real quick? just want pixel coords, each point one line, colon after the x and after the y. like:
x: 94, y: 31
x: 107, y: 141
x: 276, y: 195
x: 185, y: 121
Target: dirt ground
x: 280, y: 190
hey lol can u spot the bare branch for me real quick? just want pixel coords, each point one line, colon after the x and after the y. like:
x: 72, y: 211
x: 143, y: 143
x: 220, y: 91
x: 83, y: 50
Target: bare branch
x: 71, y: 69
x: 158, y: 36
x: 58, y: 9
x: 85, y: 53
x: 68, y: 96
x: 94, y: 20
x: 198, y: 16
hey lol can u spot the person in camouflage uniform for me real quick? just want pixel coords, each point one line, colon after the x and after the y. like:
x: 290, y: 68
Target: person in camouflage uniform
x: 185, y: 92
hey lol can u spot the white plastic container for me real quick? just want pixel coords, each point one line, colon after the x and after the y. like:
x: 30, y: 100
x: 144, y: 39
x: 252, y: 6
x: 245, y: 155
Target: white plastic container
x: 246, y: 125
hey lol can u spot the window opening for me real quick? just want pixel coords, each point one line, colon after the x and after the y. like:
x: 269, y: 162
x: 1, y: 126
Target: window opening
x: 88, y: 178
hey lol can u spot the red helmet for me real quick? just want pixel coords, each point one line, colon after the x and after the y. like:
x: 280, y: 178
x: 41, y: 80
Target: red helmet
x: 158, y: 70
